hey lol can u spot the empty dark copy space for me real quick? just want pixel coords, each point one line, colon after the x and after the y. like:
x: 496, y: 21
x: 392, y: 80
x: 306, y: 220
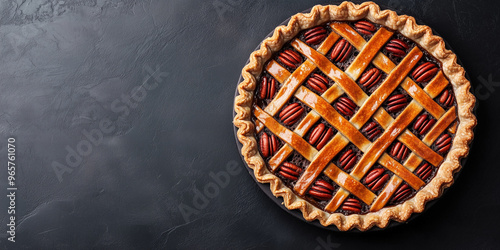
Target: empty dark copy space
x: 121, y: 113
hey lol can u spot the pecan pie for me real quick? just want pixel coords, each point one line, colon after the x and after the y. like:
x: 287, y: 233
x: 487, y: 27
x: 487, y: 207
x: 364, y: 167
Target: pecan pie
x: 354, y: 115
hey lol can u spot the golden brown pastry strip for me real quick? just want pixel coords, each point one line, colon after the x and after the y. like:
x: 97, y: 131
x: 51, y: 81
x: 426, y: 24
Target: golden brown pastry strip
x: 368, y: 51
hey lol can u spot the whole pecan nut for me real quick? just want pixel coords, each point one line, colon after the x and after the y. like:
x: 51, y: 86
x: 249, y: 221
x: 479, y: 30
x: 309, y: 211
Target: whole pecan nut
x: 399, y: 151
x: 396, y: 103
x: 397, y: 47
x: 372, y: 130
x: 318, y: 82
x: 291, y: 114
x: 403, y: 192
x: 365, y: 27
x: 425, y: 72
x: 290, y: 58
x: 348, y: 159
x: 290, y: 171
x: 315, y: 35
x: 370, y: 78
x: 352, y: 205
x: 268, y: 144
x: 341, y: 51
x: 321, y: 190
x: 320, y: 136
x: 443, y: 143
x: 424, y: 171
x: 268, y: 88
x: 447, y: 98
x: 423, y: 124
x: 376, y: 179
x: 345, y: 106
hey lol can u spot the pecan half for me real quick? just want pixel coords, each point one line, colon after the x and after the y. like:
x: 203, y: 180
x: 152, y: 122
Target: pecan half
x: 352, y: 205
x: 321, y: 190
x: 423, y: 124
x: 268, y: 144
x: 376, y: 179
x: 318, y: 82
x: 290, y: 171
x: 268, y: 88
x: 291, y: 114
x: 365, y: 27
x: 399, y: 151
x: 345, y: 106
x: 372, y: 130
x: 341, y: 51
x: 447, y: 98
x: 370, y: 78
x: 425, y: 72
x: 320, y: 136
x: 397, y: 47
x: 424, y: 171
x: 396, y: 103
x: 348, y: 159
x: 403, y: 192
x: 443, y: 143
x: 315, y: 35
x: 290, y: 58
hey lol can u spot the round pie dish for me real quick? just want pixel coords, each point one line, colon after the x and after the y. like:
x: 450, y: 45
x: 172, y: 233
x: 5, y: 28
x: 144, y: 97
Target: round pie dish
x: 355, y: 116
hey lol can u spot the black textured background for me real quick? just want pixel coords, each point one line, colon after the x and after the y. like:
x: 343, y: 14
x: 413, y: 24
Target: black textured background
x: 66, y: 65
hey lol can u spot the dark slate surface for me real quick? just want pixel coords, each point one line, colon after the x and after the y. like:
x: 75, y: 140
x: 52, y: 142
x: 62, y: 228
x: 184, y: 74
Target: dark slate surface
x: 156, y: 79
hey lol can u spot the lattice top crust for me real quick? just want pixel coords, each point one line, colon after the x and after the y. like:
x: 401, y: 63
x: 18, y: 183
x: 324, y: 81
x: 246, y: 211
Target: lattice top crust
x: 354, y: 115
